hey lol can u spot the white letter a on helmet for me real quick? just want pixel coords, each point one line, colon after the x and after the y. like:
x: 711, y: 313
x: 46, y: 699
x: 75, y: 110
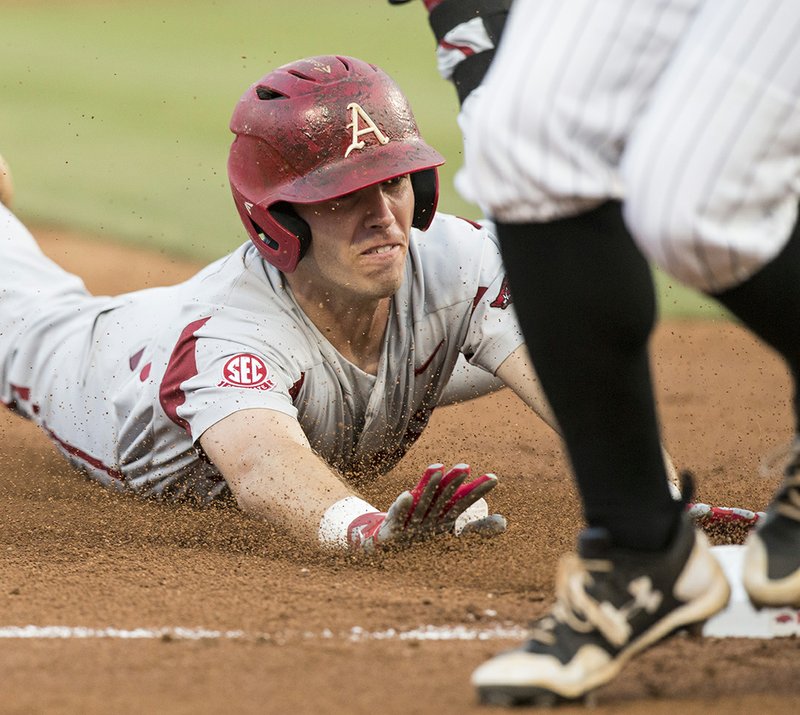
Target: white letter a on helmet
x: 357, y: 112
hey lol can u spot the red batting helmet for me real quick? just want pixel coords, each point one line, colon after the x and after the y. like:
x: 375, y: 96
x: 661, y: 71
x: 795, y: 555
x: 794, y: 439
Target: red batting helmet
x: 316, y: 129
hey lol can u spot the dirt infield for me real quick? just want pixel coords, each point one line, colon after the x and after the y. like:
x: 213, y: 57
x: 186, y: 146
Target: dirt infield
x: 286, y: 621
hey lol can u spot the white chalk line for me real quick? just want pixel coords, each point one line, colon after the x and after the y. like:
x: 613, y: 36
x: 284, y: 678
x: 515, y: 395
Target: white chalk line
x: 355, y: 635
x: 738, y: 620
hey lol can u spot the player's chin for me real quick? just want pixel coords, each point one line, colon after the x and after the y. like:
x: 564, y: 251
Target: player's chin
x: 389, y: 270
x: 387, y: 287
x: 384, y: 284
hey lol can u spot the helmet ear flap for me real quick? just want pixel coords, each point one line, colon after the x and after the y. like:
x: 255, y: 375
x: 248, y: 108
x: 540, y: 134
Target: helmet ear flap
x: 287, y: 217
x: 279, y: 233
x: 425, y: 185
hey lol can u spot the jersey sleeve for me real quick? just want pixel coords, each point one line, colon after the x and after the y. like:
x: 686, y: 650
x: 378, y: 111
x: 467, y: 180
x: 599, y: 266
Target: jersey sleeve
x: 214, y: 371
x: 493, y: 331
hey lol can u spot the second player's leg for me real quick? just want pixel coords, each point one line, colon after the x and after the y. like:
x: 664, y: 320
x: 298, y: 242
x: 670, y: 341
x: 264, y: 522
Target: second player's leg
x: 543, y: 144
x: 585, y: 300
x: 714, y: 177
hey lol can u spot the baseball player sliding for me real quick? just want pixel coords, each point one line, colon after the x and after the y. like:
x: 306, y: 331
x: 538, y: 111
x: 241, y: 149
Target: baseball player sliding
x: 314, y: 352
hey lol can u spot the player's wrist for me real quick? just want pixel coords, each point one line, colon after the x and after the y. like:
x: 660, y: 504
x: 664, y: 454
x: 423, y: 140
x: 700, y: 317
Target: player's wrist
x: 337, y: 523
x: 363, y: 530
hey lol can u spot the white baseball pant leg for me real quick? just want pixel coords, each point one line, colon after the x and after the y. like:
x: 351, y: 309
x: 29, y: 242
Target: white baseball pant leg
x: 545, y: 135
x: 47, y: 371
x: 712, y: 168
x: 687, y: 110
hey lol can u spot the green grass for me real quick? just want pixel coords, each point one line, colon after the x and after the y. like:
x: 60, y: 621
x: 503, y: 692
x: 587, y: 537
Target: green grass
x: 677, y: 301
x: 114, y: 113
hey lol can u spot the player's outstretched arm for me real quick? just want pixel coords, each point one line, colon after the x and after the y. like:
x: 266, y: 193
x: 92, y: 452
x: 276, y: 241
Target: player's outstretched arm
x: 282, y: 481
x: 517, y: 372
x: 272, y: 471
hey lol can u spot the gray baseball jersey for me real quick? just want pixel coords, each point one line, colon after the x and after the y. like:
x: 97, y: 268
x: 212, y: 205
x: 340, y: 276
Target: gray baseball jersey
x: 125, y: 386
x: 684, y: 109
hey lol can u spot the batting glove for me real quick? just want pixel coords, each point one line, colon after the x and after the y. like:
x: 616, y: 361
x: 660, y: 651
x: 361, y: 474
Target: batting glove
x: 430, y: 508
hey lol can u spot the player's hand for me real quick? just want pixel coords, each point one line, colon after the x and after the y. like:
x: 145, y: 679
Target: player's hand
x: 430, y: 508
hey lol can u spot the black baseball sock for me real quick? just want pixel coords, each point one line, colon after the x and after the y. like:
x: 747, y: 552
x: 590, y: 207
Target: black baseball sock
x: 769, y: 304
x: 586, y: 303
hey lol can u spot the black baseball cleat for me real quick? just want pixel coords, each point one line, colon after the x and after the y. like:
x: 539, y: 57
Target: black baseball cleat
x: 771, y: 572
x: 611, y: 603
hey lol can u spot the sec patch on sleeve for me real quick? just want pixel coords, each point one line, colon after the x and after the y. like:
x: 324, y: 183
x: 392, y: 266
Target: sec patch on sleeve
x: 246, y: 370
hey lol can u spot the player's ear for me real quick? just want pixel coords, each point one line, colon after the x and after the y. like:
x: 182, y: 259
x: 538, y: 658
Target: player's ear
x: 287, y: 217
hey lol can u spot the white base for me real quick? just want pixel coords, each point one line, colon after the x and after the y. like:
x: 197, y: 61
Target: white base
x: 739, y: 619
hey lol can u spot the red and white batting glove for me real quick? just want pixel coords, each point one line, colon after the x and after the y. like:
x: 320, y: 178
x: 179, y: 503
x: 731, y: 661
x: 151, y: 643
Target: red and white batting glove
x: 432, y: 507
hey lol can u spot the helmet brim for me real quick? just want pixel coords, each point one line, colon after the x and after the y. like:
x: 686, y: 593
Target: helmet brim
x: 367, y: 168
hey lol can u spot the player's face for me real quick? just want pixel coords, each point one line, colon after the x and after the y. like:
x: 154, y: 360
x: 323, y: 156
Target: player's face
x: 359, y: 241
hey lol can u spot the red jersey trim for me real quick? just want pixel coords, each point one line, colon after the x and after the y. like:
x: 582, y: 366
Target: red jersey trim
x: 83, y: 456
x: 23, y: 392
x: 419, y: 370
x: 294, y: 390
x: 134, y: 359
x: 182, y: 366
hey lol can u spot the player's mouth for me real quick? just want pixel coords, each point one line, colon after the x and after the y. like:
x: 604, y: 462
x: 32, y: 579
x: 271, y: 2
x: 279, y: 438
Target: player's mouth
x: 387, y: 248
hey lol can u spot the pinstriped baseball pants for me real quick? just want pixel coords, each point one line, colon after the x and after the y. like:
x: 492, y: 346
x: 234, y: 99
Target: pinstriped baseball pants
x: 687, y: 110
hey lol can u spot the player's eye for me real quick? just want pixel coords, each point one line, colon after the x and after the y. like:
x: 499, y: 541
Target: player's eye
x: 396, y: 181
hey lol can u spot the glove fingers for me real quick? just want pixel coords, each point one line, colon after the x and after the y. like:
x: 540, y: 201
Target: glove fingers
x: 396, y: 517
x: 449, y: 486
x: 491, y: 525
x: 423, y: 494
x: 426, y: 477
x: 466, y: 495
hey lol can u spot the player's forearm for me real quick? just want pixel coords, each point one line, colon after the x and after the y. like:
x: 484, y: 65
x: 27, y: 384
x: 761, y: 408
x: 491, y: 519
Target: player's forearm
x: 517, y: 372
x: 289, y: 486
x: 274, y: 474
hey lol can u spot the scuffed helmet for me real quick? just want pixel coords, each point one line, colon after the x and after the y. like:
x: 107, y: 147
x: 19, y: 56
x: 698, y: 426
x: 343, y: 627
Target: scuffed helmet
x: 316, y: 129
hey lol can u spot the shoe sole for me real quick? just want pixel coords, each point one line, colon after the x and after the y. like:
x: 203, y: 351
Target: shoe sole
x: 519, y: 696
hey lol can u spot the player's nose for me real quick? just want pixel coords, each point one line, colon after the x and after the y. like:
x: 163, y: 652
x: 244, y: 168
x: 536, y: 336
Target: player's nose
x: 378, y: 213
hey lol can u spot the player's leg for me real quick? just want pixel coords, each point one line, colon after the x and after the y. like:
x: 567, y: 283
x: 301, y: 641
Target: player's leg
x: 582, y: 271
x: 566, y: 85
x: 714, y: 176
x: 467, y: 32
x: 47, y: 372
x: 542, y: 151
x: 30, y: 283
x: 769, y: 304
